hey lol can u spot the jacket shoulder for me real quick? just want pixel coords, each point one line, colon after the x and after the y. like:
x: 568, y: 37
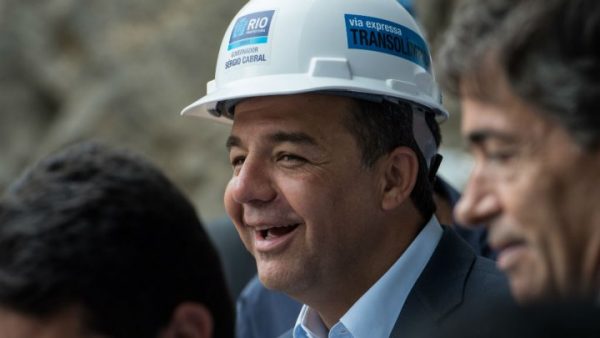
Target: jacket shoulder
x: 487, y: 280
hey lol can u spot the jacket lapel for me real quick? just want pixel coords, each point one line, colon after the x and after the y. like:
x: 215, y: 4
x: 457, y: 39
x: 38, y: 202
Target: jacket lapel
x: 439, y: 289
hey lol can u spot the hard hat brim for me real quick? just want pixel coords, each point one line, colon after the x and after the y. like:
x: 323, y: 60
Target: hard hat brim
x: 289, y: 84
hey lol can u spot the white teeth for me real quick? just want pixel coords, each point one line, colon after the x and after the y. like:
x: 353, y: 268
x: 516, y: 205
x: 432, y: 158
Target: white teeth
x: 267, y: 227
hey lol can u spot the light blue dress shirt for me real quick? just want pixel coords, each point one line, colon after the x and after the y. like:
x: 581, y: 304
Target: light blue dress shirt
x: 376, y: 311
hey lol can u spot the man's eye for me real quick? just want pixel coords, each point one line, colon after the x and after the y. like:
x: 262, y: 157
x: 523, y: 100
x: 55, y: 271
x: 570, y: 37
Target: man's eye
x: 291, y: 159
x: 500, y: 156
x: 237, y: 161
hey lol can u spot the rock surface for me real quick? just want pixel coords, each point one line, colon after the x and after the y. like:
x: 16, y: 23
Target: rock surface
x: 118, y: 71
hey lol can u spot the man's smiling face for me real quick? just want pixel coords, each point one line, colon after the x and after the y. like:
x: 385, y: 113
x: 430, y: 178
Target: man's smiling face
x: 300, y: 197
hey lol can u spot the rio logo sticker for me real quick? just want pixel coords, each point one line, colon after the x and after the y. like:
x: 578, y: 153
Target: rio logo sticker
x: 249, y: 40
x: 383, y: 36
x: 251, y: 29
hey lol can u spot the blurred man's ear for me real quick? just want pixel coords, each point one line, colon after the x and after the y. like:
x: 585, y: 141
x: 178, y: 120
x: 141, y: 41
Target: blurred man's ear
x: 189, y: 320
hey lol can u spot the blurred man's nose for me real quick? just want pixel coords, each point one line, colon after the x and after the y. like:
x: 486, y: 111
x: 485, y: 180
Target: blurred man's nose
x: 478, y: 202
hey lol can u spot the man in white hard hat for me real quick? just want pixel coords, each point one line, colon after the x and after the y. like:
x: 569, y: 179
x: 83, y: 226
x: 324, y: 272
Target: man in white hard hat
x: 527, y: 73
x: 333, y: 149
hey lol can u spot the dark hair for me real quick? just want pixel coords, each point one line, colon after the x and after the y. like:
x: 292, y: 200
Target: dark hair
x: 548, y: 51
x: 379, y: 128
x: 106, y: 230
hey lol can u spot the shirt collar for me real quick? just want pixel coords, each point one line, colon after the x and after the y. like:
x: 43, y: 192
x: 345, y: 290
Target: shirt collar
x: 387, y: 295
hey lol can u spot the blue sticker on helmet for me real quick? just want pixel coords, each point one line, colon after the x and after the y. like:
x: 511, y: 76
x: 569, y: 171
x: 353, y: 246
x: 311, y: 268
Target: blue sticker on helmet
x: 251, y: 29
x: 378, y: 35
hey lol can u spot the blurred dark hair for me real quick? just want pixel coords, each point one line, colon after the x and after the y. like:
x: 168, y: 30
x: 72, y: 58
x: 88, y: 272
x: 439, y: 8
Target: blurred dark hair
x: 547, y: 50
x: 106, y: 230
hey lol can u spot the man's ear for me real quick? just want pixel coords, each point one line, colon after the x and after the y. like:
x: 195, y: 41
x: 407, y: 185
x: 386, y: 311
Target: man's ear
x: 401, y: 167
x: 189, y: 320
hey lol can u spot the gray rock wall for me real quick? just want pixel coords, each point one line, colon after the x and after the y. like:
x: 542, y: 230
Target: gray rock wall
x: 118, y: 71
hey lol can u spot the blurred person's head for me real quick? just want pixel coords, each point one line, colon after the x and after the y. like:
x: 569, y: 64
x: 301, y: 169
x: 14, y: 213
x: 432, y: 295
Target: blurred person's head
x: 97, y: 242
x: 528, y: 77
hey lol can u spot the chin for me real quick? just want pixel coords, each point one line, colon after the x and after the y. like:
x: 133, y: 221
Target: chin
x: 289, y: 282
x: 527, y: 291
x: 272, y: 276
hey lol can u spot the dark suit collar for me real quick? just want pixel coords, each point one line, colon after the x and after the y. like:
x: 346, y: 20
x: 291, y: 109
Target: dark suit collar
x: 440, y: 287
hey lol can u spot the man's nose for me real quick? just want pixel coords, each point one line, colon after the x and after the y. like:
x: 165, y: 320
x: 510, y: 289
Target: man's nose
x: 253, y: 184
x: 478, y: 203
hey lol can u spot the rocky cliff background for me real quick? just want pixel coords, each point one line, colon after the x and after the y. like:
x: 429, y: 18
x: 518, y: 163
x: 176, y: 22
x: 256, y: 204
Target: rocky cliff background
x: 120, y: 71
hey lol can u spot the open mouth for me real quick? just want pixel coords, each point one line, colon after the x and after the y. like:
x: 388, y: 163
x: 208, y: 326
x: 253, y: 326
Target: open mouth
x: 508, y: 245
x: 275, y: 232
x: 510, y: 254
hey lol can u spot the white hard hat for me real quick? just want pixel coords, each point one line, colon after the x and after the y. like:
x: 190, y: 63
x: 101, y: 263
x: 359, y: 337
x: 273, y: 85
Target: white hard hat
x: 370, y: 48
x: 276, y: 47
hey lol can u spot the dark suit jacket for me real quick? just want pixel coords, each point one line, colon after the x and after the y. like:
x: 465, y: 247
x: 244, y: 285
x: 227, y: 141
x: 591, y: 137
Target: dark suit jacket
x: 454, y: 284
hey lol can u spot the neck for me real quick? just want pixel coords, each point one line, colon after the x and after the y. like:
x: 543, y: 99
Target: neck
x: 591, y: 259
x: 598, y: 289
x: 590, y: 220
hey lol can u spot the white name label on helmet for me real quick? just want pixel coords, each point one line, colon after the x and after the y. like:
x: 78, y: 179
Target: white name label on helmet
x: 249, y: 39
x: 383, y: 36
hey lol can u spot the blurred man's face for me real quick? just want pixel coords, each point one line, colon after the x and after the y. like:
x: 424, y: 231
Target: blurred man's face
x: 538, y: 192
x: 67, y: 323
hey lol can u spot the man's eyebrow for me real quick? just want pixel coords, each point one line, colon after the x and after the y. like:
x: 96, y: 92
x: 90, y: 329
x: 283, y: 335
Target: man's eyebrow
x: 292, y: 137
x: 482, y: 135
x: 278, y: 137
x: 232, y: 141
